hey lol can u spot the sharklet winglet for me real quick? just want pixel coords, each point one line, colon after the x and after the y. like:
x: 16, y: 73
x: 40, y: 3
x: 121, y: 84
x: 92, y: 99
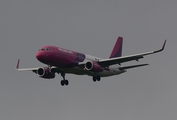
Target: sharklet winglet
x: 18, y: 62
x: 163, y: 47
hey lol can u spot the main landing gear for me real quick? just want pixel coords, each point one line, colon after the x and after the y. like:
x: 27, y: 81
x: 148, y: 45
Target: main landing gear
x: 96, y: 78
x: 64, y: 81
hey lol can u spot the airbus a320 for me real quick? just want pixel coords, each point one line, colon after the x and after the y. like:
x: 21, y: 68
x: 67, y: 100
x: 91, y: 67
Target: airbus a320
x: 64, y: 61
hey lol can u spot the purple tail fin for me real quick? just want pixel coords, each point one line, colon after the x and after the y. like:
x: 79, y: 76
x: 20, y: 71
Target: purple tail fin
x: 117, y: 50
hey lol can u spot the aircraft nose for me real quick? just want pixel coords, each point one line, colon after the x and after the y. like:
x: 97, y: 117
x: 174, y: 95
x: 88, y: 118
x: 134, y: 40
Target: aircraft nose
x: 42, y: 57
x: 39, y: 56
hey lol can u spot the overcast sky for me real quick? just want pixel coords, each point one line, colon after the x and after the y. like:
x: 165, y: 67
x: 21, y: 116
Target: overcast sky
x: 92, y: 27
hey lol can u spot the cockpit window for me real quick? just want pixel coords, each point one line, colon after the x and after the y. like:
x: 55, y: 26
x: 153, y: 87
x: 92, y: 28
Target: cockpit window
x: 45, y: 49
x: 48, y: 49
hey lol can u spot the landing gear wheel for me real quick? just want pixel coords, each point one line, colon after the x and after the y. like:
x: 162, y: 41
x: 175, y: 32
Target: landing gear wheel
x: 98, y: 78
x: 94, y: 79
x: 66, y: 82
x: 62, y: 83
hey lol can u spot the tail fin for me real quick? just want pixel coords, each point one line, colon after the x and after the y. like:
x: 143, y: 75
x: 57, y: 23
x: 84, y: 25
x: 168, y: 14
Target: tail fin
x: 117, y: 50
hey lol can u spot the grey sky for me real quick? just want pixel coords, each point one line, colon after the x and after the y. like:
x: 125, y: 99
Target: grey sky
x: 92, y: 26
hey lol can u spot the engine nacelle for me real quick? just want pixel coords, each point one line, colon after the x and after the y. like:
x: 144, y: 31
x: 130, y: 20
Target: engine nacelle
x: 93, y: 66
x: 45, y: 73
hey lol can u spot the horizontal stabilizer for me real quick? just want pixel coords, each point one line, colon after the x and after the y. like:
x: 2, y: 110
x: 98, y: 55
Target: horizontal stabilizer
x: 133, y: 66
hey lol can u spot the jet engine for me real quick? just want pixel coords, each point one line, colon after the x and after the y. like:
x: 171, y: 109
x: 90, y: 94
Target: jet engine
x: 45, y: 73
x: 93, y: 66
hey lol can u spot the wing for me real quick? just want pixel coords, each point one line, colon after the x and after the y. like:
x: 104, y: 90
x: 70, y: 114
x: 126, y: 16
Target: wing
x: 55, y: 69
x: 119, y: 60
x: 25, y: 69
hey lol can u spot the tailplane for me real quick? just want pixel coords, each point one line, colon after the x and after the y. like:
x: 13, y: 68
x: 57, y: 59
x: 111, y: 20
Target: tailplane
x: 132, y: 66
x: 117, y: 50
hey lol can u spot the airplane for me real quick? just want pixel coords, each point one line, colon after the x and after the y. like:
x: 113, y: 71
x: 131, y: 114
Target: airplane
x: 64, y: 61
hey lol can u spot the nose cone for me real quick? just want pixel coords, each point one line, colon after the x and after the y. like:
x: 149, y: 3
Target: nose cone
x: 40, y: 56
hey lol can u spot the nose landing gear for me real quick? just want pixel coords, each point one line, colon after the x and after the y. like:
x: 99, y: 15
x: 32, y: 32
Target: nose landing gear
x: 64, y: 81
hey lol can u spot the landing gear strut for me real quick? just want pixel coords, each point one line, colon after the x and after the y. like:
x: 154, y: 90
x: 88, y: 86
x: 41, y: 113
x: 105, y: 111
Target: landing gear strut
x: 64, y: 81
x: 96, y: 78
